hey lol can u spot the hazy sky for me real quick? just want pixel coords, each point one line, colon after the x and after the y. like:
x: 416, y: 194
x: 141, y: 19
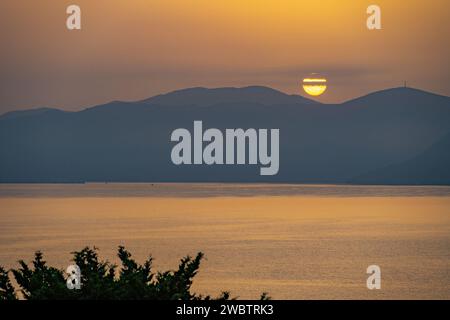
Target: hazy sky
x: 133, y: 49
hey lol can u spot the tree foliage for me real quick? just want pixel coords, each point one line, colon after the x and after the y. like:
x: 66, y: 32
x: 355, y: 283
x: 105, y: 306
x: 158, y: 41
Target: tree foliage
x: 101, y: 280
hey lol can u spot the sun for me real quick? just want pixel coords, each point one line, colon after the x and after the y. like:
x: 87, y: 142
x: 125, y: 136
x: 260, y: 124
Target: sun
x: 314, y: 86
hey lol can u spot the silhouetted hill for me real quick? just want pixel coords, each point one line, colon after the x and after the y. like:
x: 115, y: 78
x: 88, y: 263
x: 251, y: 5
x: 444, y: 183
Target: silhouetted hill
x: 25, y: 113
x: 319, y: 143
x: 206, y: 97
x: 430, y: 167
x: 397, y: 96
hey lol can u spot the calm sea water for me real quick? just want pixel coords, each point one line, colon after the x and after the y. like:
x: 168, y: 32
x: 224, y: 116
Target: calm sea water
x: 293, y: 241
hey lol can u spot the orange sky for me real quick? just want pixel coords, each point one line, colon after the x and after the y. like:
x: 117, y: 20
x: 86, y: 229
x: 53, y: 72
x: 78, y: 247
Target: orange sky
x: 133, y: 49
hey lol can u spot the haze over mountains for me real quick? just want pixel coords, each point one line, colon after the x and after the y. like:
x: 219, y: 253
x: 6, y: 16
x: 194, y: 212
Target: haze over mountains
x: 394, y: 136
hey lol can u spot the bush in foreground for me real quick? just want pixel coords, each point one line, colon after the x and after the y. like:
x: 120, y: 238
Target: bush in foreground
x: 99, y: 280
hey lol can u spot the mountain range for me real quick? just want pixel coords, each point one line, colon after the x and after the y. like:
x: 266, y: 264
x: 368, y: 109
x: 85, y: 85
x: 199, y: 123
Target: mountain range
x: 393, y: 136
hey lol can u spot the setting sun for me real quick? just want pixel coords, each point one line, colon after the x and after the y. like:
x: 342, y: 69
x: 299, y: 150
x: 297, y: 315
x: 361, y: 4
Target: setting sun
x: 314, y: 86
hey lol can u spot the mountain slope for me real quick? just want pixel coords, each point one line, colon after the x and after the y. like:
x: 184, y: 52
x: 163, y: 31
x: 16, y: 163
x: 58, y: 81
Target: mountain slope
x: 430, y: 167
x: 397, y: 96
x: 27, y: 113
x: 205, y: 97
x: 319, y: 143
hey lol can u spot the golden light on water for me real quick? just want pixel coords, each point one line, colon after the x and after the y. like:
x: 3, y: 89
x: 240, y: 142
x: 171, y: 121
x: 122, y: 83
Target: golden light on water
x: 314, y: 86
x: 289, y: 223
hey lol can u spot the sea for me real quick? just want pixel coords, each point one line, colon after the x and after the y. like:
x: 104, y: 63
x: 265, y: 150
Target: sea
x: 292, y: 241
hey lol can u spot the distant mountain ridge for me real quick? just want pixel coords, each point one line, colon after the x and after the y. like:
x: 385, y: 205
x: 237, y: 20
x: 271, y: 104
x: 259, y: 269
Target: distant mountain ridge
x: 403, y: 95
x: 29, y: 112
x: 319, y: 143
x: 200, y: 96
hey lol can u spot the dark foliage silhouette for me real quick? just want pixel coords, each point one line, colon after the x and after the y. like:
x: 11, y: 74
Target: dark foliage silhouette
x: 101, y: 280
